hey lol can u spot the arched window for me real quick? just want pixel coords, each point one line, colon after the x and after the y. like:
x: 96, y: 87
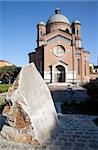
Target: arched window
x: 59, y: 50
x: 90, y: 70
x: 78, y: 66
x: 77, y: 31
x: 41, y: 32
x: 73, y: 30
x: 85, y: 67
x: 67, y: 31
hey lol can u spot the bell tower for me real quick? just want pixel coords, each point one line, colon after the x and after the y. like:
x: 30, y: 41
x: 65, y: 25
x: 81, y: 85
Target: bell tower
x: 76, y: 29
x: 41, y: 31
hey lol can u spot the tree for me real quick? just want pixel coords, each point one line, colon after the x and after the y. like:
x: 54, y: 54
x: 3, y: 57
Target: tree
x: 9, y: 73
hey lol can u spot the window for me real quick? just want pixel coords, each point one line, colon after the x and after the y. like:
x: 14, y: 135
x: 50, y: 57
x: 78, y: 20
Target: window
x: 85, y: 68
x: 41, y: 32
x: 67, y: 31
x: 78, y: 66
x: 59, y: 50
x: 90, y: 70
x: 73, y: 30
x: 77, y: 31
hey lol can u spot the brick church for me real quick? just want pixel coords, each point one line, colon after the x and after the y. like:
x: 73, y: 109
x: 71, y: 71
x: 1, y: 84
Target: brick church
x: 59, y: 55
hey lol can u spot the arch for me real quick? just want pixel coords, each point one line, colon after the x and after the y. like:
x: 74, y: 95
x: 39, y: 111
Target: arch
x: 67, y: 30
x: 59, y: 73
x: 77, y: 31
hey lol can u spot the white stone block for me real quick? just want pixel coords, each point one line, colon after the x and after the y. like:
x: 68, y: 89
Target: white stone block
x: 35, y: 98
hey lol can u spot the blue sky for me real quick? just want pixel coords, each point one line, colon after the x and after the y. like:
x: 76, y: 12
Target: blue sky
x: 18, y: 22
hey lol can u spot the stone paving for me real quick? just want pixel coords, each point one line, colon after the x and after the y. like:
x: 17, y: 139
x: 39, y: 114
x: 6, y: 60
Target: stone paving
x: 74, y: 132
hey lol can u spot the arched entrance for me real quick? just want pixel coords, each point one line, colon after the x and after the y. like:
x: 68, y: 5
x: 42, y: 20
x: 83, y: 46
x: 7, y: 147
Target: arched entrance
x: 59, y: 73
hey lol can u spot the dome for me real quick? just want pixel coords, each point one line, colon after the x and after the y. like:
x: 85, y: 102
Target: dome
x: 76, y: 21
x: 58, y: 17
x: 41, y: 23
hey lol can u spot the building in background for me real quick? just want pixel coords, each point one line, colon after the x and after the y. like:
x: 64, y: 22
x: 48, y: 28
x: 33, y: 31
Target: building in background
x: 5, y: 63
x: 59, y: 55
x: 93, y: 71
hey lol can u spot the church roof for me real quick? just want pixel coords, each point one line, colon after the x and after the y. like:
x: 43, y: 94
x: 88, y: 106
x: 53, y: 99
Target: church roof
x: 77, y: 21
x: 58, y: 17
x: 41, y: 23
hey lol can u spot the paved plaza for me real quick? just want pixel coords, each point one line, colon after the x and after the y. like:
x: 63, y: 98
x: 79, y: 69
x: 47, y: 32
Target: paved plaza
x: 67, y: 92
x: 76, y: 132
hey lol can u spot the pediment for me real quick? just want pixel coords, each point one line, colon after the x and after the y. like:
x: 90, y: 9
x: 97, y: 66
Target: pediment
x: 59, y: 35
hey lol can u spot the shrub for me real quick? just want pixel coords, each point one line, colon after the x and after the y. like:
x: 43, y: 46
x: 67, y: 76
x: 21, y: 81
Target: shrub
x: 2, y: 102
x: 4, y: 87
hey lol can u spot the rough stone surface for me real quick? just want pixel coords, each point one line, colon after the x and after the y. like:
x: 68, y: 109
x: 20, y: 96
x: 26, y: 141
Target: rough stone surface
x: 31, y: 106
x: 74, y: 132
x: 6, y: 109
x: 23, y: 138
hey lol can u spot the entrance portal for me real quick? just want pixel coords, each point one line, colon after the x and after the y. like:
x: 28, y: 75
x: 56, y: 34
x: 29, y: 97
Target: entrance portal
x: 60, y: 74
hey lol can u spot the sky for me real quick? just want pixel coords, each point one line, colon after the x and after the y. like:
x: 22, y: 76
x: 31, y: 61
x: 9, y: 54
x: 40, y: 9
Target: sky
x: 18, y: 31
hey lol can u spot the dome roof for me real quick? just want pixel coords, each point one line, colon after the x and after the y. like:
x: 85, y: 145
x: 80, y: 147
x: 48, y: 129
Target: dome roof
x: 41, y: 23
x: 76, y: 21
x: 58, y: 17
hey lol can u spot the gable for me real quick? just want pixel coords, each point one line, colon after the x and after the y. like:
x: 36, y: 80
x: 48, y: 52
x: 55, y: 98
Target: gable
x: 59, y: 37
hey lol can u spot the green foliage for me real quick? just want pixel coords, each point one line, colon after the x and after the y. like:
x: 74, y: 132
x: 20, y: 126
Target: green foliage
x: 92, y: 89
x: 2, y: 102
x: 4, y: 87
x: 90, y: 106
x: 9, y: 73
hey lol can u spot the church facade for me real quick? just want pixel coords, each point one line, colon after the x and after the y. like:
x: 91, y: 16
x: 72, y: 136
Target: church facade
x: 59, y: 55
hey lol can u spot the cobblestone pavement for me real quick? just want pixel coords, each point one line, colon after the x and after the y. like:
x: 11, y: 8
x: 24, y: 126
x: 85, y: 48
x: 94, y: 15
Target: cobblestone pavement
x: 74, y: 132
